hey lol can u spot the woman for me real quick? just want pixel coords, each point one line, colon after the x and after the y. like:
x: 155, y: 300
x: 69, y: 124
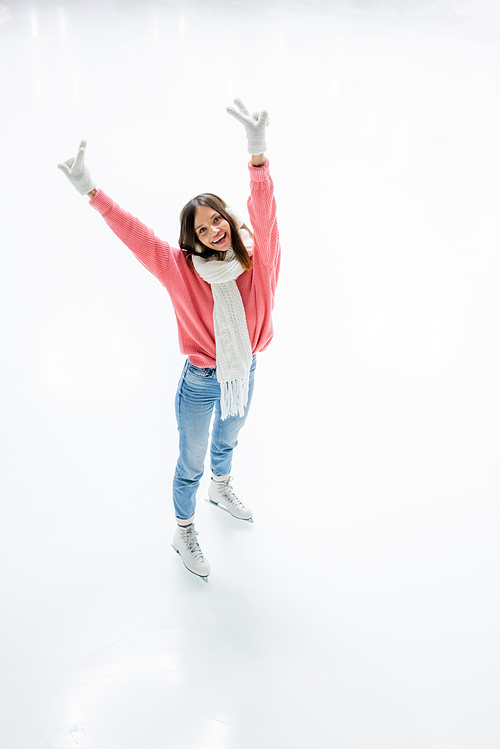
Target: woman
x: 222, y: 283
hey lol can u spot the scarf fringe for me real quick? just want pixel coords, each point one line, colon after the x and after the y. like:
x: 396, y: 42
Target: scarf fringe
x: 234, y: 397
x: 233, y: 350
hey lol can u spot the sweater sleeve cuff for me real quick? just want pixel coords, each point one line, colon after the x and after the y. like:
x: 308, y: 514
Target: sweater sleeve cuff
x: 101, y: 202
x: 258, y: 173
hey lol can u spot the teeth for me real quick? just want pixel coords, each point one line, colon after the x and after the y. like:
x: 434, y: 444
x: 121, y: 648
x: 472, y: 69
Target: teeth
x: 217, y: 241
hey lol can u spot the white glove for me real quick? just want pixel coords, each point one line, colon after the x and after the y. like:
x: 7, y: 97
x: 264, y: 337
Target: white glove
x: 254, y: 124
x: 77, y: 173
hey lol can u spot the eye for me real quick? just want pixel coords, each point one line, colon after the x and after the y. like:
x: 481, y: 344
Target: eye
x: 217, y: 218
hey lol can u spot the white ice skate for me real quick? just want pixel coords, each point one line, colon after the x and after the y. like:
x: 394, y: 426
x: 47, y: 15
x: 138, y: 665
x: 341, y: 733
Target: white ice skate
x: 222, y: 494
x: 186, y: 545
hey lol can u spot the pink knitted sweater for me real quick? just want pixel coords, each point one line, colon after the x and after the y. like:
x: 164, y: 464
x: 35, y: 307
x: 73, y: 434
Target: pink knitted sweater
x: 191, y: 296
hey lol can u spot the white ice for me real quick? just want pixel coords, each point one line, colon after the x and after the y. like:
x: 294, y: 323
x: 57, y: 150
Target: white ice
x: 362, y: 609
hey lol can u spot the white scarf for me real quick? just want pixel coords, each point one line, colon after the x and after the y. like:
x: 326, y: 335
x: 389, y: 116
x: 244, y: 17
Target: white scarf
x: 232, y: 343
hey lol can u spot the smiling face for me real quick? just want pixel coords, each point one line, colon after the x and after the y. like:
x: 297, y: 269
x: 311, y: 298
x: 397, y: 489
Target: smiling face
x: 212, y: 229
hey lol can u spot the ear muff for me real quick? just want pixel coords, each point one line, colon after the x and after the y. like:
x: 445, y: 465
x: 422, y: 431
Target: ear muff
x: 235, y: 216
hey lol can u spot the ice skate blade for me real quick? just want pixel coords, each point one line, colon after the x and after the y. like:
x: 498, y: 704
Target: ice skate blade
x: 202, y: 577
x: 216, y: 504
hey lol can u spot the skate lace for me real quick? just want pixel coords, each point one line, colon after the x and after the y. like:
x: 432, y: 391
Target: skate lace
x: 188, y: 535
x: 229, y: 494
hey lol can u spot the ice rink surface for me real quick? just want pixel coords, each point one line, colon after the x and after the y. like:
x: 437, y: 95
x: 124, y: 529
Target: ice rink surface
x: 362, y: 609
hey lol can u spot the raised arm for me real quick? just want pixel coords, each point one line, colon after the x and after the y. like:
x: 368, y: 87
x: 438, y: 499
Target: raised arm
x: 261, y: 203
x: 262, y: 211
x: 152, y: 252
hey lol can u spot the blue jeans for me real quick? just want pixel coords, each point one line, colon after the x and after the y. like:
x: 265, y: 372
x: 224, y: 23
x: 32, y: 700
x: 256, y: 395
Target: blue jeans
x: 197, y: 395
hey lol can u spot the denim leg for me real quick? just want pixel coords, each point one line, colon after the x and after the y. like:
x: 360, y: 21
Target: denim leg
x: 225, y: 433
x: 194, y: 402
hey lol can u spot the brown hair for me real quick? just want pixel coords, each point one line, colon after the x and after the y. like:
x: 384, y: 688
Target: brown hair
x: 191, y: 245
